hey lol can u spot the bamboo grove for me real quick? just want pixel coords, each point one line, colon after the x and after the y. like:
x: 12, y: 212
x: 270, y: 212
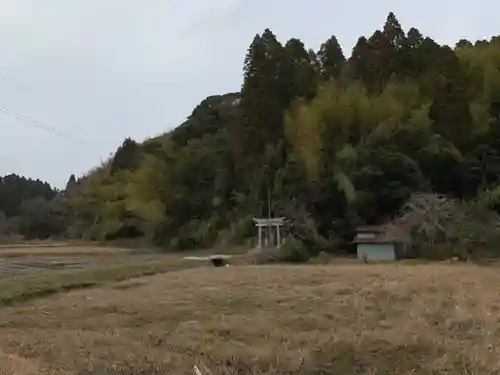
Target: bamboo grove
x: 341, y: 140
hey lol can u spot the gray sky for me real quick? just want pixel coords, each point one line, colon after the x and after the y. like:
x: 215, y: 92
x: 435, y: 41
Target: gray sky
x: 102, y: 70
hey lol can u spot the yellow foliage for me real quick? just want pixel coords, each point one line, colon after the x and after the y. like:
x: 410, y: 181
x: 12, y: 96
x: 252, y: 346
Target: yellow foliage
x: 419, y: 118
x: 480, y: 113
x: 150, y: 181
x: 345, y: 185
x: 304, y: 130
x: 339, y: 116
x: 146, y: 210
x: 484, y: 65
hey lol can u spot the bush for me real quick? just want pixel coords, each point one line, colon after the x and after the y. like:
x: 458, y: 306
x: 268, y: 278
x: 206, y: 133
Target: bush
x: 205, y: 232
x: 241, y: 228
x: 442, y: 228
x: 294, y: 251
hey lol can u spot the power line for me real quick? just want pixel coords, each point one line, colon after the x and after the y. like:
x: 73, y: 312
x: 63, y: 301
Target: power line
x: 39, y: 125
x: 33, y: 122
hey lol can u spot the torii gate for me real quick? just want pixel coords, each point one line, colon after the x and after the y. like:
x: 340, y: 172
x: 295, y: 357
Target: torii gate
x: 269, y: 223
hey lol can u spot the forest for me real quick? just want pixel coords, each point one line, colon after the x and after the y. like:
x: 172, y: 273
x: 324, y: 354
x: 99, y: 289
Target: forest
x: 333, y: 141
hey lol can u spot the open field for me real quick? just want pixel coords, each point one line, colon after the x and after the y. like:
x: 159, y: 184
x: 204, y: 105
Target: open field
x: 58, y: 249
x: 29, y: 272
x: 321, y: 320
x: 19, y: 260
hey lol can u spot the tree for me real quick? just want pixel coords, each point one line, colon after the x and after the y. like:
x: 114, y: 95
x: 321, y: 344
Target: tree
x: 15, y: 189
x: 71, y: 183
x: 341, y: 143
x: 359, y: 62
x: 40, y: 219
x: 450, y: 109
x: 297, y: 76
x: 463, y: 43
x: 261, y: 109
x: 126, y: 157
x: 331, y: 58
x: 394, y: 32
x: 384, y: 61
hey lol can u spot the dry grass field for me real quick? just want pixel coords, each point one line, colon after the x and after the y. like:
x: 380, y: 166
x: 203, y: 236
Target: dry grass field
x: 314, y: 320
x: 29, y: 272
x: 24, y: 250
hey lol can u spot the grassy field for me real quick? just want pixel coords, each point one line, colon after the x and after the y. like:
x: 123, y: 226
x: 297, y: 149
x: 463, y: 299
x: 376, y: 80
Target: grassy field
x: 314, y: 320
x: 20, y: 251
x: 29, y: 272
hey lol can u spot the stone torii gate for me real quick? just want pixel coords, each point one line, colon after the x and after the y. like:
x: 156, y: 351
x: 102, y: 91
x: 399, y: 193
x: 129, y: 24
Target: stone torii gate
x: 267, y: 225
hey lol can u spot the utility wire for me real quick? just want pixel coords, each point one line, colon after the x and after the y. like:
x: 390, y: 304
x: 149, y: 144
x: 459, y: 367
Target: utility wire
x: 33, y: 122
x: 39, y: 125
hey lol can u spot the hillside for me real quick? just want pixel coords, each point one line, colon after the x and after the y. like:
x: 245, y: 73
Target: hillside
x: 340, y: 140
x: 295, y: 320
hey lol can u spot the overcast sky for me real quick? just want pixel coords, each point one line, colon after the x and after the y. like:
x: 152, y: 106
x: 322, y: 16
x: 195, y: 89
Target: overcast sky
x: 103, y: 70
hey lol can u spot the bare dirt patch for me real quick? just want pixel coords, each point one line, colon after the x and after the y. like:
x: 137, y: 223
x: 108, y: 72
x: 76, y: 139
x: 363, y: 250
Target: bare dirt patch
x: 366, y: 319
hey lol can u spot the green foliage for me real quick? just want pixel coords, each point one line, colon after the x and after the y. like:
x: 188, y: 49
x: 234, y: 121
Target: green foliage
x: 15, y: 189
x: 41, y: 219
x: 331, y: 58
x: 344, y: 141
x: 294, y: 251
x: 126, y: 157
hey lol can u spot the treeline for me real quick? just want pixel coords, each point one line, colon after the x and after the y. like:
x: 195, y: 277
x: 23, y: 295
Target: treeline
x: 19, y: 198
x: 340, y: 140
x: 14, y: 190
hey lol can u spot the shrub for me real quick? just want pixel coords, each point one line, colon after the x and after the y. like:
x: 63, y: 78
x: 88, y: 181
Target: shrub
x: 440, y: 227
x: 294, y: 251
